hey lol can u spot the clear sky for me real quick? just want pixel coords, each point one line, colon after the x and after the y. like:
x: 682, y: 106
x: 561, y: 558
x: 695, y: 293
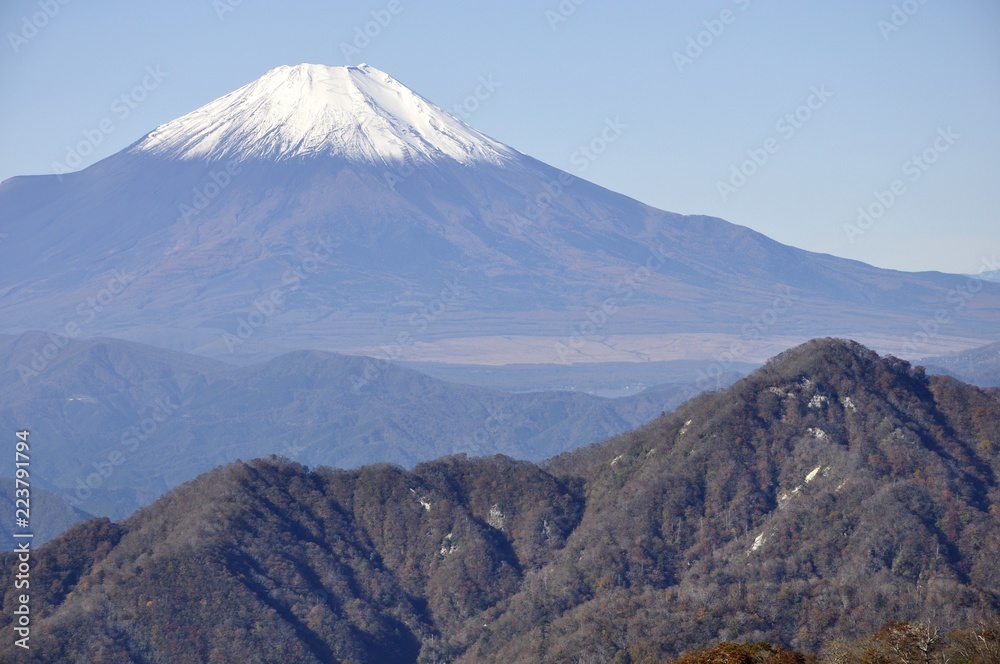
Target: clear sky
x: 701, y: 87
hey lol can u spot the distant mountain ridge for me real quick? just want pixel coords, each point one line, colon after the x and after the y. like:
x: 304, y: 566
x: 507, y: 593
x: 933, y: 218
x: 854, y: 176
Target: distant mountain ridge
x: 826, y: 494
x: 123, y: 422
x: 979, y: 366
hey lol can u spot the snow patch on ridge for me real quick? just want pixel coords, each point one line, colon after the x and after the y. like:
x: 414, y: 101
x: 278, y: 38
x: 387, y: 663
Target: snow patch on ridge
x: 448, y: 545
x: 817, y: 401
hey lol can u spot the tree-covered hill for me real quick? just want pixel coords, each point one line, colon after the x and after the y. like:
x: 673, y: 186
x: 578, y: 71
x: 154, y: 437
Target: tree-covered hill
x: 827, y: 494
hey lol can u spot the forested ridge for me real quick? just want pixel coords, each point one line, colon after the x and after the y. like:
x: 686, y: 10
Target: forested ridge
x: 834, y: 503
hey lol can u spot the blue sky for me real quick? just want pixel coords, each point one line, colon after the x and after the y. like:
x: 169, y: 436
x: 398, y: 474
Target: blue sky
x: 893, y: 104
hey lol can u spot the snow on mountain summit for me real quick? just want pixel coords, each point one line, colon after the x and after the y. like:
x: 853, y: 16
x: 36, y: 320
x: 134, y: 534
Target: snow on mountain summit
x: 358, y: 113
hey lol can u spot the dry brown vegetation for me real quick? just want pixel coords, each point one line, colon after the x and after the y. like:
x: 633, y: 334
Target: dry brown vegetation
x: 833, y: 503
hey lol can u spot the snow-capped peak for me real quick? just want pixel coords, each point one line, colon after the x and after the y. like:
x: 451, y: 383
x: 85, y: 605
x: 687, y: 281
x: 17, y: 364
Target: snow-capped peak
x: 358, y: 113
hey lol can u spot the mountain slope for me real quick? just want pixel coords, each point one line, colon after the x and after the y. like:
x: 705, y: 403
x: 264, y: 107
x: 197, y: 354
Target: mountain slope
x: 330, y: 207
x: 827, y: 493
x: 123, y: 422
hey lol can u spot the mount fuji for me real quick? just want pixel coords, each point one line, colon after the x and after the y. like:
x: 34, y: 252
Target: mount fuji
x: 333, y: 208
x: 356, y: 113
